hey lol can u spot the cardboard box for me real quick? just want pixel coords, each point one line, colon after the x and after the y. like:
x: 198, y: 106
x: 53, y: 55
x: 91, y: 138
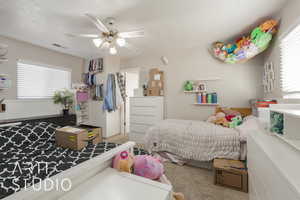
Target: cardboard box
x: 156, y: 75
x: 71, y: 137
x: 156, y: 91
x: 156, y: 83
x: 231, y: 173
x: 94, y: 133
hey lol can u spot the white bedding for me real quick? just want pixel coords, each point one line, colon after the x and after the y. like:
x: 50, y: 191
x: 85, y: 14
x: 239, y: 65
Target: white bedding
x: 197, y: 140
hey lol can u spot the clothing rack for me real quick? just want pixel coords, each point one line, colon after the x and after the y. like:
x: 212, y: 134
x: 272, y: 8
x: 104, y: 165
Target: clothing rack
x: 81, y: 103
x: 96, y: 65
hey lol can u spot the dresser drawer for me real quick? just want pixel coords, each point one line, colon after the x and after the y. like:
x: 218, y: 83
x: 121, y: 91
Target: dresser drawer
x: 140, y: 128
x: 146, y: 101
x: 145, y: 110
x: 143, y: 120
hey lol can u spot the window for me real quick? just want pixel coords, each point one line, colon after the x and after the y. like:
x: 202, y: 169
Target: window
x: 35, y: 81
x: 290, y: 64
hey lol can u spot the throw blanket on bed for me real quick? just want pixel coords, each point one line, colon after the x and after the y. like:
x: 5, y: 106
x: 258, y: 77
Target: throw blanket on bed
x: 23, y: 145
x: 195, y: 140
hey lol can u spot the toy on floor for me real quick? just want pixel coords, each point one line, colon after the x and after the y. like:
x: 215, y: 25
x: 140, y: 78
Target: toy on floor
x: 247, y: 47
x: 176, y: 195
x: 148, y: 167
x: 143, y: 165
x: 123, y: 162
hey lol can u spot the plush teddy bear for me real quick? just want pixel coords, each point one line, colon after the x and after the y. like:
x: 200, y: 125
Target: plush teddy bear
x: 178, y: 196
x: 123, y: 162
x: 268, y: 26
x: 222, y: 122
x: 219, y: 119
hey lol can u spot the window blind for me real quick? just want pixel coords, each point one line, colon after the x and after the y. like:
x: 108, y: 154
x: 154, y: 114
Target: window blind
x: 37, y: 81
x: 290, y: 64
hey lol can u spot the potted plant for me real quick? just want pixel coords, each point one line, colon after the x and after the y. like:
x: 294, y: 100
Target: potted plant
x: 65, y: 98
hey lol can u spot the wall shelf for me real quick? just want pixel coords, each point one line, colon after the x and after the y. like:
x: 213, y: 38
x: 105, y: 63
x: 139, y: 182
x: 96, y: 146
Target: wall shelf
x: 194, y: 91
x: 206, y: 104
x: 208, y: 79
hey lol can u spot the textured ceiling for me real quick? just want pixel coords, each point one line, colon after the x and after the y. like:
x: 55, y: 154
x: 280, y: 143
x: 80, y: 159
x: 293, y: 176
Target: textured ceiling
x: 170, y: 25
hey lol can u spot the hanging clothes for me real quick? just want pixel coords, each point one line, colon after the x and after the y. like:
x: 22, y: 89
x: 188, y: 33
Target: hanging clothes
x: 122, y: 85
x: 96, y: 65
x: 110, y: 103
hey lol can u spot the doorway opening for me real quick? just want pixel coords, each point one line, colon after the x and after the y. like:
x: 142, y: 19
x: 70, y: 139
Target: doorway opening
x: 132, y: 76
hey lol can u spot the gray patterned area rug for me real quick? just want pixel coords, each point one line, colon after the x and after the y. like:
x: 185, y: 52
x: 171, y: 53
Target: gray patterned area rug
x: 28, y: 154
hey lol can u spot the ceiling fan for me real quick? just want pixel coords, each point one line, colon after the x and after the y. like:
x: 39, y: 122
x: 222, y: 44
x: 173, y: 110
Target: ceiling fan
x: 3, y: 52
x: 109, y: 37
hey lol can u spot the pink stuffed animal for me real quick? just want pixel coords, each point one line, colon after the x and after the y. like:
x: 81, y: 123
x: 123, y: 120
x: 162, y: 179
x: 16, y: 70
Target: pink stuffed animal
x: 148, y: 167
x: 123, y: 161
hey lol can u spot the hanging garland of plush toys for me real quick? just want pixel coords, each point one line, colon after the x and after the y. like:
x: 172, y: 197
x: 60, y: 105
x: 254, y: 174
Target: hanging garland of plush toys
x: 246, y: 47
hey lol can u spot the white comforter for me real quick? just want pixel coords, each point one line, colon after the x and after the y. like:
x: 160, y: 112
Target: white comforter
x: 195, y: 140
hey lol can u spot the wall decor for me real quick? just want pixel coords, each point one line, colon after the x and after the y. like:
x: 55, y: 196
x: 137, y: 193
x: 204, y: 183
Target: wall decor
x: 3, y: 52
x: 268, y: 77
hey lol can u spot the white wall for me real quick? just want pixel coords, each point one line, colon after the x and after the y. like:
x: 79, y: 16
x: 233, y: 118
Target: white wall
x: 238, y: 84
x: 25, y: 51
x: 110, y: 122
x: 21, y: 109
x: 290, y: 17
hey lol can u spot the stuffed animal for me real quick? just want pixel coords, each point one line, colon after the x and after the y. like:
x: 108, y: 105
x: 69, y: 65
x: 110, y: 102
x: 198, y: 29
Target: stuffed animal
x: 222, y: 122
x: 178, y: 196
x: 235, y: 121
x: 123, y: 162
x: 148, y: 167
x: 220, y: 115
x: 246, y: 47
x: 269, y: 26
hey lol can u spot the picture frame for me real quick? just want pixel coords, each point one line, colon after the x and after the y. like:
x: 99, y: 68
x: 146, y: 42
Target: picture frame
x: 201, y: 87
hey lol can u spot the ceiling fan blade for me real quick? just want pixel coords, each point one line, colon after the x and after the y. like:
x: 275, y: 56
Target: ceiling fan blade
x: 3, y: 46
x: 99, y: 24
x: 132, y: 34
x: 83, y: 35
x: 3, y: 59
x: 3, y: 52
x: 133, y: 48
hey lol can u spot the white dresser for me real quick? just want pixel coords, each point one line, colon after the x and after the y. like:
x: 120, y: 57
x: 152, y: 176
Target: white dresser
x: 144, y: 113
x: 273, y: 168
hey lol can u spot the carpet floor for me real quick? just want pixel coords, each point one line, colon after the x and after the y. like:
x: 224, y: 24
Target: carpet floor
x: 193, y: 182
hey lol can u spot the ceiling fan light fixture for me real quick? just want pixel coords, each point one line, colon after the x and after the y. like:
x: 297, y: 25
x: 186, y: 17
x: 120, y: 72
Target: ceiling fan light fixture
x: 121, y: 42
x: 113, y: 51
x: 98, y: 42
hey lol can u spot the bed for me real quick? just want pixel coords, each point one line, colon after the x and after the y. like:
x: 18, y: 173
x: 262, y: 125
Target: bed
x: 25, y: 144
x: 199, y: 140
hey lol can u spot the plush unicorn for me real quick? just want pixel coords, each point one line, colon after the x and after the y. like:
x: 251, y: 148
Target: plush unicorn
x: 148, y: 167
